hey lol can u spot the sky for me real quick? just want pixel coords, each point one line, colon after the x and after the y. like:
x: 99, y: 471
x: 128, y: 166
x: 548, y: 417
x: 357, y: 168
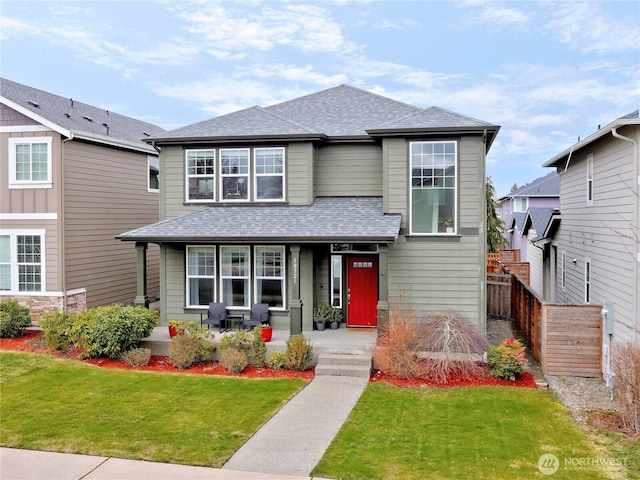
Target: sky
x: 548, y: 72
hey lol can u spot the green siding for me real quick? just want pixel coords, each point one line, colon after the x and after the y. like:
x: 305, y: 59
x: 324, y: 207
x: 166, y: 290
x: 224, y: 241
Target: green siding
x: 299, y: 167
x: 348, y: 170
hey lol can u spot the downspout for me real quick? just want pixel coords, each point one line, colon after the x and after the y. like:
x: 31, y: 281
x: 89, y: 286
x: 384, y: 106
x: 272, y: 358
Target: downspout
x: 614, y: 132
x: 63, y: 263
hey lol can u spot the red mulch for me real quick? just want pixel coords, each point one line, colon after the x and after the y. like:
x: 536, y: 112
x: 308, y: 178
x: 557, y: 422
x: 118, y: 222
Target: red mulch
x: 606, y: 420
x: 33, y: 342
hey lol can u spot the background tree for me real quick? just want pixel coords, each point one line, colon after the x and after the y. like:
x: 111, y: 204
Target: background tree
x: 514, y: 187
x: 495, y: 227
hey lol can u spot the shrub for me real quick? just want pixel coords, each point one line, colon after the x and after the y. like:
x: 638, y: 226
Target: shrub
x: 240, y: 340
x: 14, y: 319
x: 56, y: 326
x: 278, y: 360
x: 234, y: 360
x: 138, y: 357
x: 322, y: 313
x: 299, y: 353
x: 507, y: 360
x: 454, y: 343
x: 398, y: 341
x: 258, y: 353
x: 111, y: 330
x: 626, y: 386
x: 194, y: 346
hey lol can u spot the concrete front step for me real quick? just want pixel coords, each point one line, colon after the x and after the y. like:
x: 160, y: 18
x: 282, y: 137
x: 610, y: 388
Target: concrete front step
x: 344, y: 365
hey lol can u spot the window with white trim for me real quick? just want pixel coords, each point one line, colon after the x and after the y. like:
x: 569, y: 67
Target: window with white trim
x: 563, y: 270
x: 234, y: 174
x: 587, y: 280
x: 269, y: 173
x: 433, y: 187
x: 22, y: 262
x: 521, y: 204
x: 30, y: 162
x: 235, y: 274
x: 200, y: 174
x: 336, y: 281
x: 201, y: 276
x: 590, y: 179
x: 270, y: 275
x: 153, y: 169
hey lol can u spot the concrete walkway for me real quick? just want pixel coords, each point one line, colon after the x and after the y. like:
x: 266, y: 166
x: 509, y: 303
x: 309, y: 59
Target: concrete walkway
x: 296, y: 437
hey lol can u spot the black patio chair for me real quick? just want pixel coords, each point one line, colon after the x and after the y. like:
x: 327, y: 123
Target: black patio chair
x: 216, y: 315
x: 259, y: 315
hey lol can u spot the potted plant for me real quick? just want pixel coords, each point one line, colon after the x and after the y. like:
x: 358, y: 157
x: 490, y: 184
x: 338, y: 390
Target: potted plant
x: 335, y: 317
x: 446, y: 224
x: 267, y: 332
x: 321, y: 315
x: 176, y: 327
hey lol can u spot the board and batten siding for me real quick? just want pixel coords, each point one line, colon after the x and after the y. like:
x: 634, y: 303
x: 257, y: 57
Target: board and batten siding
x: 348, y: 170
x: 605, y: 232
x: 106, y: 195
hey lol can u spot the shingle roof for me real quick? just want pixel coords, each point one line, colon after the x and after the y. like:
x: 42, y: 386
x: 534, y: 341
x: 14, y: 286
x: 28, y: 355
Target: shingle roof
x: 547, y: 186
x: 79, y: 118
x: 328, y: 219
x: 337, y: 112
x: 539, y: 219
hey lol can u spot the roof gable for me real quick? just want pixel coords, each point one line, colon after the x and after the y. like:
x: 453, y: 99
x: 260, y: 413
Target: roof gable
x: 547, y: 186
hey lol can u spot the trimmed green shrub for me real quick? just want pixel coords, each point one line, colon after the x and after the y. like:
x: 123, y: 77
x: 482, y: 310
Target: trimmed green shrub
x: 14, y: 319
x: 258, y: 353
x: 299, y: 353
x: 194, y: 346
x: 507, y: 360
x: 240, y: 340
x: 138, y: 357
x: 55, y: 326
x: 278, y: 360
x: 234, y: 360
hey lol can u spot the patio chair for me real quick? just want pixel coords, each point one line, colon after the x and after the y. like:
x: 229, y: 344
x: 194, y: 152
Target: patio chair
x: 216, y: 315
x: 259, y: 315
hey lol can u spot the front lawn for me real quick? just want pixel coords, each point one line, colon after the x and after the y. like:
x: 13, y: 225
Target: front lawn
x: 66, y: 406
x: 475, y: 433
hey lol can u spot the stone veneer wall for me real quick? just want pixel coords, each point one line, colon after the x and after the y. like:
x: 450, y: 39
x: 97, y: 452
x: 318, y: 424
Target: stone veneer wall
x: 39, y: 305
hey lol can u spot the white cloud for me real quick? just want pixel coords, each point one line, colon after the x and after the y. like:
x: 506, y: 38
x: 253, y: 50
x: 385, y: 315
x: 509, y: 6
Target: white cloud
x: 494, y: 14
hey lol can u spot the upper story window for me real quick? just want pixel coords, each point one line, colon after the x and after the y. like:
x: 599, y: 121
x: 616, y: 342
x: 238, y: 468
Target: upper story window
x: 520, y: 204
x: 22, y: 261
x: 153, y: 168
x: 433, y: 187
x: 587, y: 280
x: 30, y: 162
x: 201, y: 169
x: 590, y: 179
x: 242, y: 174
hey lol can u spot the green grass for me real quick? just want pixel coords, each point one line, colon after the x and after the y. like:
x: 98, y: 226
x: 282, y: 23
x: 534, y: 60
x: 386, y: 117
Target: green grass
x: 474, y: 433
x: 66, y: 406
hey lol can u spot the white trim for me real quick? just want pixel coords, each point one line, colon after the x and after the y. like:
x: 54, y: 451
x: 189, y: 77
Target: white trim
x: 247, y: 277
x: 13, y: 181
x: 13, y: 260
x: 282, y: 277
x: 34, y: 116
x: 187, y: 277
x: 222, y: 176
x: 76, y: 291
x: 24, y: 128
x: 588, y: 279
x: 187, y: 177
x: 28, y: 216
x: 149, y: 189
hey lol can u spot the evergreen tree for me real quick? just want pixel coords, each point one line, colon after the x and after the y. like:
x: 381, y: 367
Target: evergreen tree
x: 495, y: 227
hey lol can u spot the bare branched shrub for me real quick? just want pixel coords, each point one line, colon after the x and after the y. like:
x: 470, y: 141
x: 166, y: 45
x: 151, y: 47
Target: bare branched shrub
x: 626, y: 366
x: 454, y: 345
x: 398, y: 343
x: 138, y: 357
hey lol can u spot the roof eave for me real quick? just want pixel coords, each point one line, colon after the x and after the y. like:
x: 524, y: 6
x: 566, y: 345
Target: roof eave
x: 278, y: 240
x: 491, y: 130
x: 114, y: 142
x: 303, y: 137
x: 35, y: 117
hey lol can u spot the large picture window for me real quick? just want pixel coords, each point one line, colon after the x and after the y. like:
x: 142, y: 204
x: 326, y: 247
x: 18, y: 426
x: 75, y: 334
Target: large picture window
x: 433, y: 187
x: 269, y: 275
x: 201, y: 276
x: 30, y: 162
x: 201, y: 168
x: 234, y: 174
x: 269, y: 168
x: 235, y: 274
x: 22, y: 262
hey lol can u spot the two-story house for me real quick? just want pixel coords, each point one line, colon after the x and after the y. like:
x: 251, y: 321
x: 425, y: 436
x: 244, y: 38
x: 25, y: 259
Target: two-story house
x: 596, y: 238
x: 342, y: 196
x: 72, y: 177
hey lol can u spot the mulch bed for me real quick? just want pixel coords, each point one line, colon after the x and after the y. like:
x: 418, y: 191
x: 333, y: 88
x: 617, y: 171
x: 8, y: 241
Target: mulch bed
x: 607, y: 420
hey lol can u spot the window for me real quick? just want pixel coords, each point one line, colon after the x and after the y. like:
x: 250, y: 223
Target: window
x: 22, y: 262
x: 153, y: 168
x: 234, y: 174
x: 433, y: 187
x: 235, y: 274
x: 30, y: 162
x: 269, y: 171
x: 269, y: 276
x: 563, y: 270
x: 200, y: 174
x: 587, y: 280
x: 590, y: 179
x: 336, y: 281
x: 201, y: 276
x: 520, y: 204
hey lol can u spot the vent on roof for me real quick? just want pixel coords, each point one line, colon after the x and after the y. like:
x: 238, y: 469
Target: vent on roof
x: 37, y: 105
x: 87, y: 118
x: 67, y: 115
x: 146, y: 134
x: 106, y: 125
x: 71, y: 102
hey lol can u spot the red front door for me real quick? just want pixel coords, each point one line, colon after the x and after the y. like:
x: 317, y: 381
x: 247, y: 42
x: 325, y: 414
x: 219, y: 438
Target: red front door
x: 362, y: 292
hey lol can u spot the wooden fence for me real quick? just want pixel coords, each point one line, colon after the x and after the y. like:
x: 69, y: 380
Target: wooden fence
x: 499, y: 294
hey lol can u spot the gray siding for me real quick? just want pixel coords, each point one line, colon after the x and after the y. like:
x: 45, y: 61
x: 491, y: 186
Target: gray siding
x: 105, y: 195
x: 534, y: 257
x: 348, y: 170
x: 605, y: 232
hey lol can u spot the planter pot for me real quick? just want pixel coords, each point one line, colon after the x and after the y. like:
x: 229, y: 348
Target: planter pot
x: 173, y: 331
x: 320, y: 326
x: 335, y: 325
x: 266, y: 334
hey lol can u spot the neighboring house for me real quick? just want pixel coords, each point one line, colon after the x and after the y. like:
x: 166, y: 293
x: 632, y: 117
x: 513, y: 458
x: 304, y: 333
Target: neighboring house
x: 72, y: 177
x: 543, y: 192
x: 534, y: 227
x: 341, y: 196
x: 595, y: 237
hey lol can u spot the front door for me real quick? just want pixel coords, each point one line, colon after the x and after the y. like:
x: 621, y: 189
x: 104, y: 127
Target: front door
x: 362, y: 292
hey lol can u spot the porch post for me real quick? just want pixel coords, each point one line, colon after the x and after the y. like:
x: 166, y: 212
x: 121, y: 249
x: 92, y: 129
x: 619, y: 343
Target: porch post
x: 383, y: 298
x: 142, y: 300
x: 295, y: 326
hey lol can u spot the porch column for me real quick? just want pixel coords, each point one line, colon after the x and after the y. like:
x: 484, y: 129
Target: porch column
x: 142, y: 300
x: 295, y: 305
x: 383, y: 298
